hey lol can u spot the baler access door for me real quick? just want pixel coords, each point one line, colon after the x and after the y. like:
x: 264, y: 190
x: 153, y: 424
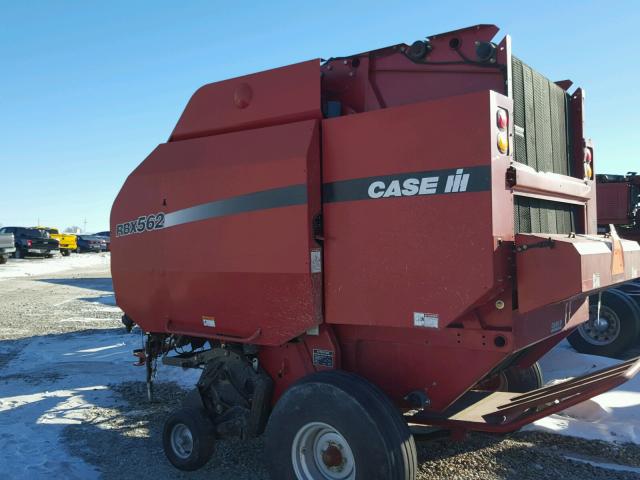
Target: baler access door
x: 552, y: 268
x: 241, y: 260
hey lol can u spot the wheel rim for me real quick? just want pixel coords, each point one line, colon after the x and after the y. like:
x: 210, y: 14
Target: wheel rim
x: 319, y: 451
x: 181, y: 441
x: 604, y: 332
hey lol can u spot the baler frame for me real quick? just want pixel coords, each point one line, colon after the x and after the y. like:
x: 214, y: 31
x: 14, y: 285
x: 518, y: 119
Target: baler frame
x: 357, y: 310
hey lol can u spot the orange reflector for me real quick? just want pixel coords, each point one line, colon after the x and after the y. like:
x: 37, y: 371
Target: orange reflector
x: 617, y: 260
x: 503, y: 143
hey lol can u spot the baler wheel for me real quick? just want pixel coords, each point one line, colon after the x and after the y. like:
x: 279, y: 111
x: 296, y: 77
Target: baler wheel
x: 617, y: 333
x: 188, y: 438
x: 335, y: 425
x: 522, y: 380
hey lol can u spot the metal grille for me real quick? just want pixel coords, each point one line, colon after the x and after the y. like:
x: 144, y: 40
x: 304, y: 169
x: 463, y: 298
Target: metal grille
x: 540, y: 118
x: 533, y: 215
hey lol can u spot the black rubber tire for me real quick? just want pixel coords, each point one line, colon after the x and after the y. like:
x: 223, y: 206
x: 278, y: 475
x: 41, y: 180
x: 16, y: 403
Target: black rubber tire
x: 193, y: 399
x: 3, y: 259
x: 18, y: 253
x: 382, y: 445
x: 202, y: 433
x: 65, y: 252
x: 628, y: 313
x: 522, y: 380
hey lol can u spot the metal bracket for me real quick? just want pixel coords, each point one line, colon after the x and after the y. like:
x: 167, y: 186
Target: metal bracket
x: 548, y: 243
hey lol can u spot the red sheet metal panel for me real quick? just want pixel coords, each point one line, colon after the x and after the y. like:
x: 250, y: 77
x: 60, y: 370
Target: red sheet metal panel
x: 234, y: 254
x: 282, y: 95
x: 613, y: 203
x: 573, y: 266
x: 388, y: 78
x: 423, y: 247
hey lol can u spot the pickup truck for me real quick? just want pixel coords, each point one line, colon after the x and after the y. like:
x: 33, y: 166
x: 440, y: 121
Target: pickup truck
x: 91, y: 243
x: 30, y: 241
x: 68, y: 242
x: 7, y: 246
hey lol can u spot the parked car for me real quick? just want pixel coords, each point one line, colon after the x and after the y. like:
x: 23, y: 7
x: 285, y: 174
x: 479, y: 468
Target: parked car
x: 7, y: 246
x: 106, y: 236
x: 67, y: 241
x: 90, y: 243
x: 30, y: 241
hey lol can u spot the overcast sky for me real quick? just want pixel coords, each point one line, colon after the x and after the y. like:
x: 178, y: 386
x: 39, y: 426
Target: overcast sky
x: 88, y: 89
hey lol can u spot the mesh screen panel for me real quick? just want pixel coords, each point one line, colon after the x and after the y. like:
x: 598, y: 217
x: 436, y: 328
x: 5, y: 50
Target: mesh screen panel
x: 533, y: 215
x: 540, y: 117
x: 542, y: 142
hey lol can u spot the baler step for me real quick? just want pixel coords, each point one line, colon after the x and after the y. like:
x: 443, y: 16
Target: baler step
x: 502, y: 412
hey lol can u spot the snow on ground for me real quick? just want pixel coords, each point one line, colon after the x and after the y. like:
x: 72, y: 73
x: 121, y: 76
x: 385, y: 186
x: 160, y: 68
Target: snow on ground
x: 55, y: 381
x: 612, y: 416
x: 27, y: 267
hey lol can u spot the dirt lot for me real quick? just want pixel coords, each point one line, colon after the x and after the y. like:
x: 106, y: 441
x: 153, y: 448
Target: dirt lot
x: 73, y: 406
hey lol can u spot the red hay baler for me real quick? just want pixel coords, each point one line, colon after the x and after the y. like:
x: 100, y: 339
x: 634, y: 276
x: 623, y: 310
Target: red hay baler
x: 351, y: 245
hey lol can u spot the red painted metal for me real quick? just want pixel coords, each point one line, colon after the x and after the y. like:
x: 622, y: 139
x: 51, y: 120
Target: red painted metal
x: 283, y: 95
x: 240, y: 270
x: 613, y: 203
x: 414, y: 291
x: 502, y: 412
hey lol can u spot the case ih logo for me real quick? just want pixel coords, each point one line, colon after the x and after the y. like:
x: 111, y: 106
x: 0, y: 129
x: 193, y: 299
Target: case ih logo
x: 419, y: 186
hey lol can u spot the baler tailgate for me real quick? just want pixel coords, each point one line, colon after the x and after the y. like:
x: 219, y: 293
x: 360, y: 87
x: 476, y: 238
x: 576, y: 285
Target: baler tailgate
x: 502, y: 412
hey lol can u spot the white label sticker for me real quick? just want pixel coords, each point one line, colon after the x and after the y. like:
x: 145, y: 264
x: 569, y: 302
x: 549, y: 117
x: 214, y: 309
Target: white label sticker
x: 596, y: 280
x: 316, y: 260
x: 426, y: 320
x: 209, y: 321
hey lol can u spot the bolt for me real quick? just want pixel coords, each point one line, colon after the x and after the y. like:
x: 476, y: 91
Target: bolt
x: 344, y: 62
x: 499, y: 304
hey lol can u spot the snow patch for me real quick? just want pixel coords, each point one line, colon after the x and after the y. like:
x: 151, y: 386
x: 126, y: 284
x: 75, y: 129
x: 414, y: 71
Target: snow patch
x: 613, y: 416
x: 29, y: 267
x: 55, y: 381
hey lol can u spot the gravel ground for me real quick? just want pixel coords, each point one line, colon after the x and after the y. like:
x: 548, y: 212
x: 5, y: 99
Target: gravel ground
x: 123, y: 440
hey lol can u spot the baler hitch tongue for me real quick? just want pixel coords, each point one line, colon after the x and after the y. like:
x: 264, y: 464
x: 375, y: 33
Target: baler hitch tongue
x: 502, y: 412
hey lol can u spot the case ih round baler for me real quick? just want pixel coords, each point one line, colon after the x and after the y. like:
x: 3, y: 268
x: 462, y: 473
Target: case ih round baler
x: 346, y: 246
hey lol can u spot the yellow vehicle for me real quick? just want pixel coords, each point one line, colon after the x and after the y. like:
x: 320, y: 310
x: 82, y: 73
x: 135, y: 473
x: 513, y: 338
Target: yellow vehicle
x: 68, y: 242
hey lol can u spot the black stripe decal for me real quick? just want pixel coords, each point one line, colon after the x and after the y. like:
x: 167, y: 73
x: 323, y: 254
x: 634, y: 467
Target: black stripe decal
x: 250, y: 202
x: 436, y: 182
x: 470, y: 179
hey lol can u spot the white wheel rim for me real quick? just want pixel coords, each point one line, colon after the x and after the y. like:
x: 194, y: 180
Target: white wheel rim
x: 181, y: 441
x: 320, y: 452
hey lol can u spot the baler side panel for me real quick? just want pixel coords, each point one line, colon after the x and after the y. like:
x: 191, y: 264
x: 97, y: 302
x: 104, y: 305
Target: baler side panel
x: 282, y: 95
x: 237, y: 247
x: 387, y: 258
